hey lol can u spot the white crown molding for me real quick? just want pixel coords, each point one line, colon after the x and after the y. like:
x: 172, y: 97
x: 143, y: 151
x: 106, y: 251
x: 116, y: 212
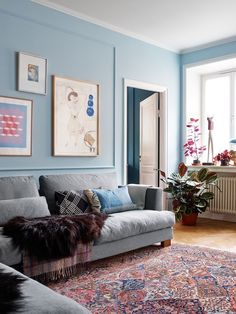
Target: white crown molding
x: 208, y: 45
x: 98, y: 22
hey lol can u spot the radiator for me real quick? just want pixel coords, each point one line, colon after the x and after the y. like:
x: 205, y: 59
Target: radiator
x: 225, y: 200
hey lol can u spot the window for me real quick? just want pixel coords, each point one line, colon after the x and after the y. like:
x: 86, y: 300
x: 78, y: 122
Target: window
x: 212, y: 94
x: 218, y: 102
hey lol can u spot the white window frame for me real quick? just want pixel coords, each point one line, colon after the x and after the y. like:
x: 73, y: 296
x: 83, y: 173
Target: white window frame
x: 232, y: 76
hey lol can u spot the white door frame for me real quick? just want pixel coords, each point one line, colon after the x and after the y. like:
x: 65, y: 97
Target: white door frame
x: 163, y: 121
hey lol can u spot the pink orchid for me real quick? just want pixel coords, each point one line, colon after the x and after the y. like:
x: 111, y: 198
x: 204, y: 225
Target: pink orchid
x: 191, y: 147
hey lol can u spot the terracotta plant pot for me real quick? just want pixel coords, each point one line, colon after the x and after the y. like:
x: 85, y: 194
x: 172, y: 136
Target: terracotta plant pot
x: 189, y: 220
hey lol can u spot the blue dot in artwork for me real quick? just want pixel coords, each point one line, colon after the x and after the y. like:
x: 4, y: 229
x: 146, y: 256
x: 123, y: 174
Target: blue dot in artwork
x: 90, y: 112
x: 90, y: 97
x: 90, y: 103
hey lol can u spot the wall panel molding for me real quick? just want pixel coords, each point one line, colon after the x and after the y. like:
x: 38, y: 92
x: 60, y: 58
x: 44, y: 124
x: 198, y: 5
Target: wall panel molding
x: 54, y: 168
x: 107, y: 153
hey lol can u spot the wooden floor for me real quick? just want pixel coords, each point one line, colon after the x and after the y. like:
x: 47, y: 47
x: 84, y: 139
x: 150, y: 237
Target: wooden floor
x: 208, y: 232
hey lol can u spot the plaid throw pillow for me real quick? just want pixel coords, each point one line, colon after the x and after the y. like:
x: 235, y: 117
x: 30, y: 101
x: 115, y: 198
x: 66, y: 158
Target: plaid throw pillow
x: 71, y: 202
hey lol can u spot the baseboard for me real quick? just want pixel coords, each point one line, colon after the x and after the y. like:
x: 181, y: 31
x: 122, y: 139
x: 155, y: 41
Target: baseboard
x: 215, y: 216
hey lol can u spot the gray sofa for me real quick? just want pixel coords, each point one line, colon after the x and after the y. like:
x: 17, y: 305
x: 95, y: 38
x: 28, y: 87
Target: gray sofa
x: 122, y: 232
x: 38, y: 299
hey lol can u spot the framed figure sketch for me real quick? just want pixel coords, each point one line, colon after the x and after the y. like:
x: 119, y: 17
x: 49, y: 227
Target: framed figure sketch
x: 75, y: 117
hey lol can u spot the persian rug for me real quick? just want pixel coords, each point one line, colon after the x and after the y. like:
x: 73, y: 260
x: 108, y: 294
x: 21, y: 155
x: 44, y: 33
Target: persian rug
x: 178, y: 279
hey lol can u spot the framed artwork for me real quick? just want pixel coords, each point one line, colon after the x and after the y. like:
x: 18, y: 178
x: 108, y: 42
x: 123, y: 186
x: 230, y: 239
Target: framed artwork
x: 32, y: 73
x: 15, y: 126
x: 75, y: 117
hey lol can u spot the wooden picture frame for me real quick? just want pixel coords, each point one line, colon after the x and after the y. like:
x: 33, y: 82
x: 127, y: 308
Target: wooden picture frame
x: 75, y: 117
x: 15, y: 126
x: 32, y: 73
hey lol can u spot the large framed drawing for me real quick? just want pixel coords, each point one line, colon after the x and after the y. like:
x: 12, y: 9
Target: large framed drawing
x: 32, y: 73
x: 75, y: 117
x: 15, y: 126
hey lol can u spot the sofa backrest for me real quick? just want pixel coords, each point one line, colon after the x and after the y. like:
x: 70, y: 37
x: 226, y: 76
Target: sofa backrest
x: 18, y: 187
x: 49, y: 184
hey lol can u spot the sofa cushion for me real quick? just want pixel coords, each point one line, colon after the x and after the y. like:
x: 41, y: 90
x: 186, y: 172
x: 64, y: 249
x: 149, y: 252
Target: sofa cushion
x: 130, y: 223
x: 71, y: 202
x: 49, y: 184
x: 113, y: 201
x: 29, y: 207
x: 146, y: 196
x: 18, y: 187
x: 137, y: 193
x: 9, y: 255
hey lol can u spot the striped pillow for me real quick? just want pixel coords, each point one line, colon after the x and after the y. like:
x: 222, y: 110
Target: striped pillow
x: 93, y: 200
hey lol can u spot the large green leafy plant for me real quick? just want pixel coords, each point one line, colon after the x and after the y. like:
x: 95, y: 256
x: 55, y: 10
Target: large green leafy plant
x: 190, y: 190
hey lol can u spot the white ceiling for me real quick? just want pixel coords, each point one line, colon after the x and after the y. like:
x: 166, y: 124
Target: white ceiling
x: 177, y: 25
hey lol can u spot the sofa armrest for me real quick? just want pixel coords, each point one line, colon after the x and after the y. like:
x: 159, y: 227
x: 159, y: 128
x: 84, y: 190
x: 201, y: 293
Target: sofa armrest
x: 137, y: 193
x: 39, y: 299
x: 154, y: 198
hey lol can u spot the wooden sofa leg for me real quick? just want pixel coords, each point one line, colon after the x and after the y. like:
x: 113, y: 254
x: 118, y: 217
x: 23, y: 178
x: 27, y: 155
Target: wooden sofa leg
x: 166, y: 243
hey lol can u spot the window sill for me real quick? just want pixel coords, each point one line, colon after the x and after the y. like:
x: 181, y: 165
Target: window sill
x: 219, y: 169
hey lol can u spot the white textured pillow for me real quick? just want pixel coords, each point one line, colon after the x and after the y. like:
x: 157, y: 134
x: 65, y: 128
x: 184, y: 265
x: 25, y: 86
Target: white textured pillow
x: 29, y: 207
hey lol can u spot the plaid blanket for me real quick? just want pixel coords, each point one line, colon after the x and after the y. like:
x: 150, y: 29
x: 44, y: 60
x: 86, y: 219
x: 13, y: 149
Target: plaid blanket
x: 55, y: 269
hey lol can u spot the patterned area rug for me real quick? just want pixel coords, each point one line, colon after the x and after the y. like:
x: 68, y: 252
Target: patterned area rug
x: 178, y: 279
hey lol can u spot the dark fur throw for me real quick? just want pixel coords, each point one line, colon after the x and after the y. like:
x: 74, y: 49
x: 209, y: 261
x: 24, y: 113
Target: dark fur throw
x: 10, y: 292
x: 54, y: 236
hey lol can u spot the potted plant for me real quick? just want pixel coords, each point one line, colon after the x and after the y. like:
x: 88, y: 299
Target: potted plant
x: 223, y: 157
x: 190, y: 192
x: 192, y: 147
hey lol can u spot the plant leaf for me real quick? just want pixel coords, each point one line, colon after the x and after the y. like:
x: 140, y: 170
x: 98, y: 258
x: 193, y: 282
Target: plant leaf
x: 183, y: 208
x: 193, y: 176
x: 182, y: 169
x: 168, y: 190
x: 163, y: 174
x: 207, y: 196
x: 212, y: 177
x: 178, y: 216
x: 202, y: 174
x: 202, y: 204
x: 192, y: 183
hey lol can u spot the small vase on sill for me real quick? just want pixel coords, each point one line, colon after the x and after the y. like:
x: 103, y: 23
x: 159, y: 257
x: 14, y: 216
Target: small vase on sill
x: 224, y: 162
x: 196, y: 162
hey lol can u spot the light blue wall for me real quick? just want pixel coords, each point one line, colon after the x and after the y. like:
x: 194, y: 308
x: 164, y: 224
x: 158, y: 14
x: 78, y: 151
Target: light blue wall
x: 224, y: 50
x: 84, y: 51
x: 219, y: 52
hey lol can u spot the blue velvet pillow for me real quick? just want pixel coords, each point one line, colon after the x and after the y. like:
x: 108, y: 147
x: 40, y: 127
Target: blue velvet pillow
x: 116, y: 200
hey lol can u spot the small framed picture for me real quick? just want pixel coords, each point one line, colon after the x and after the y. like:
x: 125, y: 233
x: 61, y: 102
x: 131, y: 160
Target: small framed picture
x: 32, y: 73
x: 15, y: 126
x: 75, y: 117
